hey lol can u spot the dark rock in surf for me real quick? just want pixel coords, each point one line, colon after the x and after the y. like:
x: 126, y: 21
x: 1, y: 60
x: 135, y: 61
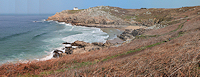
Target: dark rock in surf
x: 66, y: 43
x: 57, y: 53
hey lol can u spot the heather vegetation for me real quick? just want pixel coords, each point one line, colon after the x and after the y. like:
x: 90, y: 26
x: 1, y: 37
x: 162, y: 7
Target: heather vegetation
x: 169, y: 51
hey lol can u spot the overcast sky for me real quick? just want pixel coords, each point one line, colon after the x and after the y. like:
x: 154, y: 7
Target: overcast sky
x: 53, y: 6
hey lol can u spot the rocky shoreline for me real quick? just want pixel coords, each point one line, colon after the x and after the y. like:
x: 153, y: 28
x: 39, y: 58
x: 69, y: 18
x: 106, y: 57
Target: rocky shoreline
x: 100, y: 17
x: 78, y: 47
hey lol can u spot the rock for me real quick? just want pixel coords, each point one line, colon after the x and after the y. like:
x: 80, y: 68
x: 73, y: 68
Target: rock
x: 98, y: 44
x: 57, y: 53
x: 129, y: 34
x: 107, y: 44
x: 69, y: 50
x: 138, y: 32
x: 80, y: 43
x: 66, y: 43
x: 85, y: 47
x: 126, y: 37
x: 79, y: 50
x: 92, y: 48
x: 63, y: 54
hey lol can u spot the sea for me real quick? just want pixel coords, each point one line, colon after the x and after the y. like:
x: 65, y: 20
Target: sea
x: 30, y: 37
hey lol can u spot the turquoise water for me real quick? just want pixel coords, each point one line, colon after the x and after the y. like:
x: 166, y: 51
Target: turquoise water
x: 22, y: 39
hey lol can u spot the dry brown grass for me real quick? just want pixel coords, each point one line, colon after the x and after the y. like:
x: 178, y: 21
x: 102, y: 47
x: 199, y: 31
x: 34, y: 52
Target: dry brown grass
x: 163, y: 30
x: 176, y: 58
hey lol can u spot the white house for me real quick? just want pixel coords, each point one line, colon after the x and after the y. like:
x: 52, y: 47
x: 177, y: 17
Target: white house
x: 75, y: 8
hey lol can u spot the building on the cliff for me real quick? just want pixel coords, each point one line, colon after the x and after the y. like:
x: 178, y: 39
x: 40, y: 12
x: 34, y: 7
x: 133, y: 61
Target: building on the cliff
x: 75, y: 8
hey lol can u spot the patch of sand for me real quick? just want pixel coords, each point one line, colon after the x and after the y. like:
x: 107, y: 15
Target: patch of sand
x: 116, y: 41
x: 134, y: 27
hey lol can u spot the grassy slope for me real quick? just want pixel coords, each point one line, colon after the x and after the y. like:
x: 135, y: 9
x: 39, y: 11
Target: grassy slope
x: 164, y: 59
x: 148, y: 55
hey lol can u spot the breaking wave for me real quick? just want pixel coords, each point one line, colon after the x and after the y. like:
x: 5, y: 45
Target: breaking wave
x: 14, y: 35
x: 38, y: 35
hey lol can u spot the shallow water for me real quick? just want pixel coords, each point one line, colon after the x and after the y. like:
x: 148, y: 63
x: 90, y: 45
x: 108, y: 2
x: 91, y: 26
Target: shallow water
x: 112, y: 32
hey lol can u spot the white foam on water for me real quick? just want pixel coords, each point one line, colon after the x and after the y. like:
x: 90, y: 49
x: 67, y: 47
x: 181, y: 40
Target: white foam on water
x: 74, y: 46
x: 43, y: 20
x: 71, y: 28
x: 61, y: 22
x: 50, y: 54
x: 68, y: 24
x: 68, y: 45
x: 49, y: 20
x: 89, y: 34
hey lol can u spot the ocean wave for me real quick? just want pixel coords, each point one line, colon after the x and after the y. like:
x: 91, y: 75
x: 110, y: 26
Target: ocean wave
x: 85, y: 37
x: 43, y: 20
x: 50, y: 54
x: 68, y: 24
x: 48, y: 57
x: 14, y: 35
x: 71, y: 28
x: 72, y: 34
x: 38, y: 35
x: 92, y: 35
x: 61, y: 23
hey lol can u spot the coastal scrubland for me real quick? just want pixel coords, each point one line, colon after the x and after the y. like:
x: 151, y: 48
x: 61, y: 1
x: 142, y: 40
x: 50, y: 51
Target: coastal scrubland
x: 170, y: 50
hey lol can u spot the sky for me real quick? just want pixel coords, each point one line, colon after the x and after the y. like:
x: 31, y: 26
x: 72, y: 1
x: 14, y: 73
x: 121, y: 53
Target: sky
x: 53, y: 6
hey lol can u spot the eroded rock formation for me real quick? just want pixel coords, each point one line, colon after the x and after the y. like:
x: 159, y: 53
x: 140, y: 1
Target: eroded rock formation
x: 130, y: 34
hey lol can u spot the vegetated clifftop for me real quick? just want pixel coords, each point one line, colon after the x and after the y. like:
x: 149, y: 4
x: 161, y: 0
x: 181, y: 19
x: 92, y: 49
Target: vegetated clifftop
x: 101, y: 16
x: 106, y: 16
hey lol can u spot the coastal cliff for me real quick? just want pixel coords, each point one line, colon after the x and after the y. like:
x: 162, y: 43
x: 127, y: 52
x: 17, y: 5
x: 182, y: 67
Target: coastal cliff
x: 106, y: 16
x: 101, y: 16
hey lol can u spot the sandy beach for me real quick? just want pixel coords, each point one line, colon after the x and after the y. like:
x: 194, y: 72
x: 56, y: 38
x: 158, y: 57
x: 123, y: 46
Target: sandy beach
x: 134, y: 27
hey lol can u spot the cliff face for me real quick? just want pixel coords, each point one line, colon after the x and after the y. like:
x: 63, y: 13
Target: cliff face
x: 96, y: 16
x: 106, y: 16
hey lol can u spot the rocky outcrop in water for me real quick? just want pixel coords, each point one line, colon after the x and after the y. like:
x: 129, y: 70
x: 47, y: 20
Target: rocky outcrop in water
x: 57, y: 53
